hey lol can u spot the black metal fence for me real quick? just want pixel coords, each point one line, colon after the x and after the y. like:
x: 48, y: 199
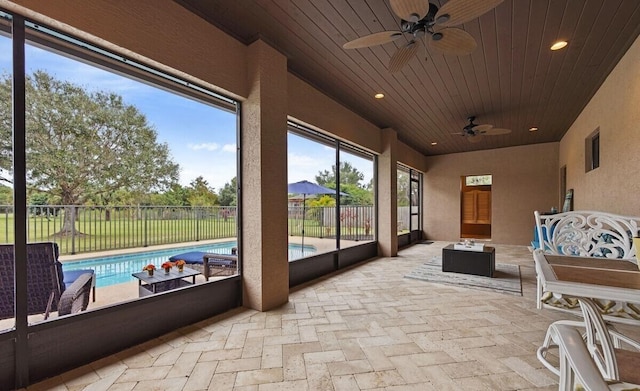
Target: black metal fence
x: 357, y: 222
x: 79, y: 229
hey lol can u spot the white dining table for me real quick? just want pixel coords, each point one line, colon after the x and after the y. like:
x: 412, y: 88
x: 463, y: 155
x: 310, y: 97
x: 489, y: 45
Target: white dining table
x: 600, y: 278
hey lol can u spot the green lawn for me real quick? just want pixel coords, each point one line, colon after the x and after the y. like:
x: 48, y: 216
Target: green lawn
x: 98, y: 235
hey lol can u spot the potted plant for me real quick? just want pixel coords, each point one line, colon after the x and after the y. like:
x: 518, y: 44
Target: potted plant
x: 167, y: 267
x: 180, y: 264
x: 149, y: 269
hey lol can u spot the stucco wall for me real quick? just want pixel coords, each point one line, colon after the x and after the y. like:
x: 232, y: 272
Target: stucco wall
x: 411, y: 157
x: 525, y: 179
x: 313, y: 108
x: 161, y: 31
x: 614, y: 186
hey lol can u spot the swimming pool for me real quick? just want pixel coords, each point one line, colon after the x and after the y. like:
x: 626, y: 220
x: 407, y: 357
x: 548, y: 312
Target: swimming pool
x: 117, y: 269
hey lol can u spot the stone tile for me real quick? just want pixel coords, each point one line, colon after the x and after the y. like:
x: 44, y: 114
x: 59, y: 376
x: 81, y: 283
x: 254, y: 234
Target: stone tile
x: 349, y: 367
x: 465, y: 369
x: 344, y: 383
x: 407, y: 368
x: 241, y: 364
x: 351, y: 349
x: 172, y: 384
x: 201, y: 376
x: 401, y: 349
x: 184, y: 364
x: 379, y: 379
x: 378, y: 360
x: 219, y: 355
x: 222, y: 382
x: 259, y: 376
x: 272, y: 356
x: 324, y: 357
x: 147, y: 374
x: 252, y: 347
x: 319, y: 377
x: 295, y: 385
x: 294, y: 368
x: 535, y: 376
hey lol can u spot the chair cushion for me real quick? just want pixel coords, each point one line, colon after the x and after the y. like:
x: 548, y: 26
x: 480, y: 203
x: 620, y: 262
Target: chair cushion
x: 192, y: 257
x: 71, y: 275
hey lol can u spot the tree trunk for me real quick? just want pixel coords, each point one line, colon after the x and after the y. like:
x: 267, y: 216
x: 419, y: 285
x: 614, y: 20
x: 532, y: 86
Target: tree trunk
x: 69, y: 223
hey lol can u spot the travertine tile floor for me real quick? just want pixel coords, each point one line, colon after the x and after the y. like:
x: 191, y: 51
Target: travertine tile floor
x: 366, y: 328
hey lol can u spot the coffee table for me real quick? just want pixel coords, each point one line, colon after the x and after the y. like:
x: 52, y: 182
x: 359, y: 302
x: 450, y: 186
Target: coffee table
x: 479, y: 263
x: 161, y: 281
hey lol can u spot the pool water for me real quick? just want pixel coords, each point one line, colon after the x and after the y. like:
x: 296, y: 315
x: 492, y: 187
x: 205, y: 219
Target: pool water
x: 117, y: 269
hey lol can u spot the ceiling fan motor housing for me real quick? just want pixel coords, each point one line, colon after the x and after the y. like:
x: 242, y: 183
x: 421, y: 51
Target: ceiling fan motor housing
x: 423, y: 25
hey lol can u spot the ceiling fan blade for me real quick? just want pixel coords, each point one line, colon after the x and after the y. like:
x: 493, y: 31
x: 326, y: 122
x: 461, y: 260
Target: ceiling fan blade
x: 453, y: 41
x: 456, y: 12
x: 402, y: 56
x: 410, y: 10
x: 475, y: 138
x: 482, y: 128
x: 496, y: 132
x: 373, y: 39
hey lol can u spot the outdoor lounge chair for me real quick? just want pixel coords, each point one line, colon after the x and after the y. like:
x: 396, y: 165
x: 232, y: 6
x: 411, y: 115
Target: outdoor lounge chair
x: 45, y: 284
x: 70, y: 276
x: 209, y: 264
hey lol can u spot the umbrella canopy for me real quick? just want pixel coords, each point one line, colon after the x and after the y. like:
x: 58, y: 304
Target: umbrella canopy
x: 306, y: 188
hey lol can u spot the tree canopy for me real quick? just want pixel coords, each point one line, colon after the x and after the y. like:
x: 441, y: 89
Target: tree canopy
x: 201, y: 194
x: 403, y: 188
x: 350, y: 183
x: 82, y: 144
x: 348, y: 175
x: 228, y: 194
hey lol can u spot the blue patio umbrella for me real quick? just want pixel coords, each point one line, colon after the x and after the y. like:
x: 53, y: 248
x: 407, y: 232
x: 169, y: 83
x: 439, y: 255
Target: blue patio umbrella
x: 307, y: 188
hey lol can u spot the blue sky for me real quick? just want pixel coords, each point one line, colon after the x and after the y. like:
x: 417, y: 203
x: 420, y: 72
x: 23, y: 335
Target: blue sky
x: 202, y: 139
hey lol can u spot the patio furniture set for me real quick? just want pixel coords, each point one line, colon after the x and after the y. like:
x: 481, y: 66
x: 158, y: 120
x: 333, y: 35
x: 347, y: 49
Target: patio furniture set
x: 52, y: 289
x: 586, y: 264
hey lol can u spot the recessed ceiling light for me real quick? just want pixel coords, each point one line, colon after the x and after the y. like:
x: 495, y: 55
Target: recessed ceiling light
x: 379, y: 95
x: 434, y: 143
x: 558, y: 45
x: 533, y: 129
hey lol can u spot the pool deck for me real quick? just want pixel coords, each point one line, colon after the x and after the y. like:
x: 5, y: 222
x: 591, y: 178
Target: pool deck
x: 136, y: 250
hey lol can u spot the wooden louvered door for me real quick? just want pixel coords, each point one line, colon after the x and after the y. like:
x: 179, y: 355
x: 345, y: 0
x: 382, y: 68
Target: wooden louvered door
x: 475, y: 211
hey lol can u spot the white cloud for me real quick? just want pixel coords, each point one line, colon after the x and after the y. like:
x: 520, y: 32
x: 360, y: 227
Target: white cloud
x: 296, y: 160
x: 229, y: 148
x: 217, y: 175
x: 204, y: 146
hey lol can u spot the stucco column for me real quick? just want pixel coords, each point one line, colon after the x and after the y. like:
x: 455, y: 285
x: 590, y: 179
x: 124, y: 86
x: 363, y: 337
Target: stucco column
x: 388, y: 195
x: 265, y: 271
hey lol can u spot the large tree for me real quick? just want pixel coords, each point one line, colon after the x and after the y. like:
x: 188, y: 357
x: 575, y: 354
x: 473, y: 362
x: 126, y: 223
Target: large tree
x: 200, y: 194
x: 228, y: 194
x: 82, y: 144
x: 350, y: 183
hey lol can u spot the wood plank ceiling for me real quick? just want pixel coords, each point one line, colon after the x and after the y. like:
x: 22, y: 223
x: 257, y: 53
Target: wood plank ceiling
x: 512, y: 80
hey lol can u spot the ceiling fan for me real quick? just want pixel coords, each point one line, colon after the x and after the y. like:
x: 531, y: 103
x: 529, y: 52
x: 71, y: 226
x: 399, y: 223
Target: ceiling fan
x: 474, y: 132
x: 419, y: 18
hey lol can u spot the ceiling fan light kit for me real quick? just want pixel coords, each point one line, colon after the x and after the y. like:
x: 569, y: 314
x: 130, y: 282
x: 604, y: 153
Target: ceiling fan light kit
x: 419, y: 18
